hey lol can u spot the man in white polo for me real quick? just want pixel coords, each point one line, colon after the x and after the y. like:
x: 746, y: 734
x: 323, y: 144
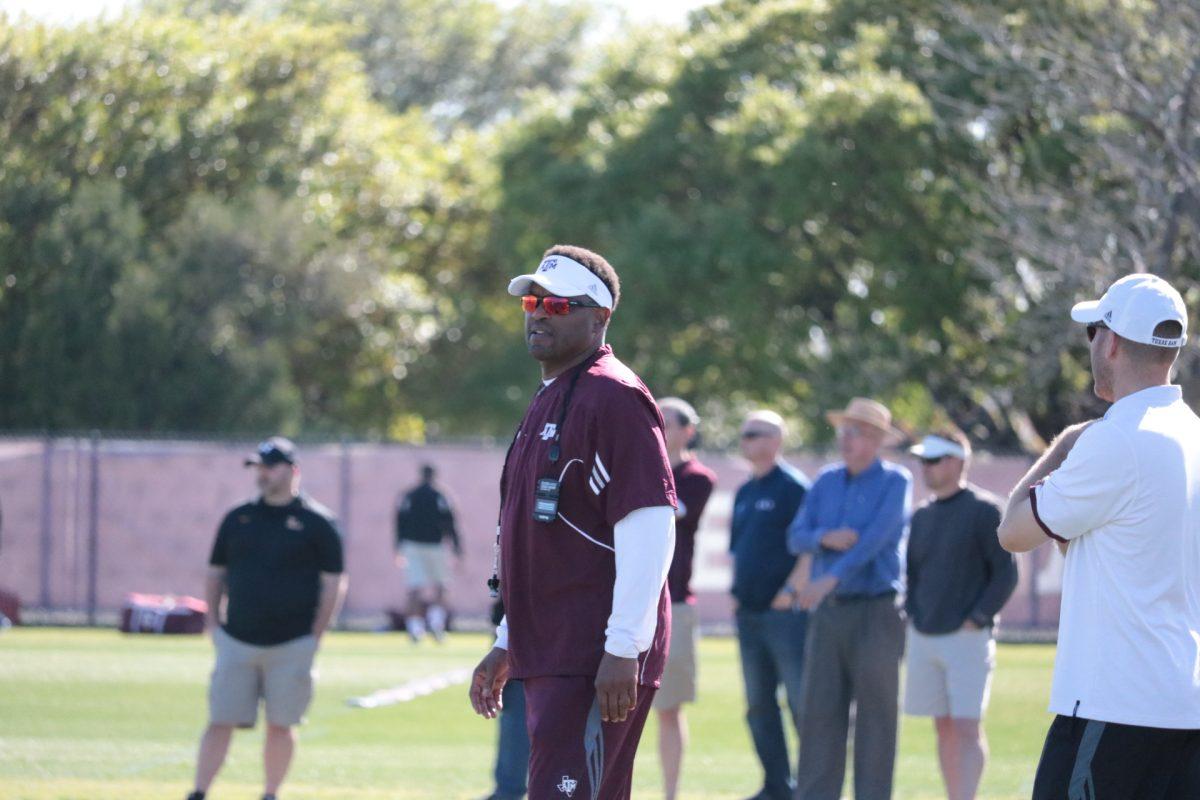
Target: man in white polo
x: 1121, y: 496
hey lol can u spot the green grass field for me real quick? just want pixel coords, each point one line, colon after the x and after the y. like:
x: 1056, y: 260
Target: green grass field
x: 93, y: 714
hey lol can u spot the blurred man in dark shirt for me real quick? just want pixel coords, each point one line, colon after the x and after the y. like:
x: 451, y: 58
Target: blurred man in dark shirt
x: 277, y: 565
x: 770, y: 629
x: 959, y: 577
x: 424, y: 520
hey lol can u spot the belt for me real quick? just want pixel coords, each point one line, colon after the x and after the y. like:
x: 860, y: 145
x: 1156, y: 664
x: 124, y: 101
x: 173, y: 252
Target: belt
x: 851, y: 599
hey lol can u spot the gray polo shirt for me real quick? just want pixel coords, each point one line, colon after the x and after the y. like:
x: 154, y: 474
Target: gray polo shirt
x: 957, y: 570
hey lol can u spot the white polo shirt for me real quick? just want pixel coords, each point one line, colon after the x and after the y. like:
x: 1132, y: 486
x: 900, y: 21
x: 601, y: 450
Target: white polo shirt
x: 1127, y: 498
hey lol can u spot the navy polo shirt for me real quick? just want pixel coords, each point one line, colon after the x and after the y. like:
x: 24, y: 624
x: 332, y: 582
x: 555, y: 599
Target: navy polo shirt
x: 762, y: 510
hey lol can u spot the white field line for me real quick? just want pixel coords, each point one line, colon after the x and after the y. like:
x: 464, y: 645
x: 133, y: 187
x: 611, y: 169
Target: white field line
x: 411, y: 690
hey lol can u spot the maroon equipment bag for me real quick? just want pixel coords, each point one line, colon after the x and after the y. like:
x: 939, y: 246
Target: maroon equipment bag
x: 158, y: 613
x: 10, y: 606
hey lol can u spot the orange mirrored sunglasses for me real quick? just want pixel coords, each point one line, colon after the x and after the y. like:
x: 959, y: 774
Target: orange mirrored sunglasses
x: 555, y: 306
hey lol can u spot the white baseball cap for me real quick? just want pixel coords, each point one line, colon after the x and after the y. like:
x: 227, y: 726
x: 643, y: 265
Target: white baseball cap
x: 937, y: 447
x: 564, y: 277
x: 1134, y: 306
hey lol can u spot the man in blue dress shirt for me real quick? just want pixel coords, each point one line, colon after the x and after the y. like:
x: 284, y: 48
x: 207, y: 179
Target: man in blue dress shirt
x: 850, y: 528
x: 770, y: 629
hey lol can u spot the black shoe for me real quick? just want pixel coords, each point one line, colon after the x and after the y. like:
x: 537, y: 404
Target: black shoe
x: 196, y: 796
x: 765, y: 794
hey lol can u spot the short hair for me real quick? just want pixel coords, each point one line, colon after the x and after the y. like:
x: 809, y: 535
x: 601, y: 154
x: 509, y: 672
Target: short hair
x: 685, y: 415
x: 681, y: 408
x: 427, y: 471
x: 595, y: 262
x: 770, y: 418
x: 1152, y: 353
x: 953, y: 434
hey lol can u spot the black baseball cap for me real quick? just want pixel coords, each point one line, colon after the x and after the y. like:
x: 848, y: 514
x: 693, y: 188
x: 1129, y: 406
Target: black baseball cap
x: 276, y: 450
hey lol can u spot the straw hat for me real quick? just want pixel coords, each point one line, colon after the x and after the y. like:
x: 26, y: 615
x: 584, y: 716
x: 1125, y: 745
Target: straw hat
x: 868, y: 412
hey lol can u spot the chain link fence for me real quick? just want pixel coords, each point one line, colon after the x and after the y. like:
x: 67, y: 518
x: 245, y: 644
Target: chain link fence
x: 88, y: 519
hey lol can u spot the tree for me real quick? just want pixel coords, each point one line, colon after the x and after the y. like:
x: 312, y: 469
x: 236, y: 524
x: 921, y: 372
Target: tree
x: 193, y: 165
x: 778, y: 204
x: 470, y: 62
x: 1087, y: 116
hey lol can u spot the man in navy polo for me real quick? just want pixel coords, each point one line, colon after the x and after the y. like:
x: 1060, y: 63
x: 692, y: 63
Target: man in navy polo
x: 770, y: 628
x: 852, y: 525
x: 587, y: 530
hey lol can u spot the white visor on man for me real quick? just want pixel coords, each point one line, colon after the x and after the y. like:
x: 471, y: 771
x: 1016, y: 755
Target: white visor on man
x: 937, y: 447
x: 564, y: 277
x: 1134, y: 306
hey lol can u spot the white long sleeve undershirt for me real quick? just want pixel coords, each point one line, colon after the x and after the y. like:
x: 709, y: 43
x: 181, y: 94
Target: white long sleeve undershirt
x: 644, y: 542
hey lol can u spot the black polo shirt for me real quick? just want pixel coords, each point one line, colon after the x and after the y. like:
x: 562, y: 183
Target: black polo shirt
x: 274, y: 557
x: 424, y: 516
x: 957, y: 570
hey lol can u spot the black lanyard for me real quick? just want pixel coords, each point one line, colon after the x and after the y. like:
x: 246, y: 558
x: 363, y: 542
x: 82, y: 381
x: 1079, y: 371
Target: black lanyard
x: 554, y: 454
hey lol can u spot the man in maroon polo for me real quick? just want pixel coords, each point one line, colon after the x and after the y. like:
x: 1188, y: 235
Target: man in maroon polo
x: 587, y: 530
x: 693, y: 485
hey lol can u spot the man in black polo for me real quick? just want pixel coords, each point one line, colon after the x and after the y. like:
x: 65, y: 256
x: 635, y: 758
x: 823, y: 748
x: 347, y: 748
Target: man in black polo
x: 424, y: 520
x: 959, y: 577
x: 277, y: 561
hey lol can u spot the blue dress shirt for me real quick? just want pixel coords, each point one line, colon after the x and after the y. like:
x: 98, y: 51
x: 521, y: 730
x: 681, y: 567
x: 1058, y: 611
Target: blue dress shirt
x: 876, y: 503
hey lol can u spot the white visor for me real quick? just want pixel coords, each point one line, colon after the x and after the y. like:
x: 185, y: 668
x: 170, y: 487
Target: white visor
x: 564, y: 277
x: 937, y: 447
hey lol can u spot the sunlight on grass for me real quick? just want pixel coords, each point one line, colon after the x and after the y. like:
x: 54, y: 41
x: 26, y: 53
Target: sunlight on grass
x: 97, y: 715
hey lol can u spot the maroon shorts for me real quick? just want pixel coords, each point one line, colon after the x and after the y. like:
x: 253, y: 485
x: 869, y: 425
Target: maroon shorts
x: 572, y: 754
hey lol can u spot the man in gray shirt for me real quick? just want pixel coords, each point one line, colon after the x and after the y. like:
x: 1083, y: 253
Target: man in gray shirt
x: 959, y: 577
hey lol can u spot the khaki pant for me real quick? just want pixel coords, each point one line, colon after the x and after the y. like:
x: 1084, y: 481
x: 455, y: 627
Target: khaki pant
x: 280, y: 675
x: 949, y: 675
x: 425, y: 564
x: 679, y: 675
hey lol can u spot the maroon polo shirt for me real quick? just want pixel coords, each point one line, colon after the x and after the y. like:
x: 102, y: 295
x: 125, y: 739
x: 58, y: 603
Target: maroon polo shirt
x: 557, y: 577
x: 693, y: 484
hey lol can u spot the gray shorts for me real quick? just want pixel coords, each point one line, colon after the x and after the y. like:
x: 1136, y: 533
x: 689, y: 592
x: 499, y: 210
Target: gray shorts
x: 949, y: 675
x: 679, y: 675
x: 281, y: 676
x: 425, y: 564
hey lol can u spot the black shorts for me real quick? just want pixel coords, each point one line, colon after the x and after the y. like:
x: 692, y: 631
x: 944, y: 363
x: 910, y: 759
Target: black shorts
x: 1088, y: 760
